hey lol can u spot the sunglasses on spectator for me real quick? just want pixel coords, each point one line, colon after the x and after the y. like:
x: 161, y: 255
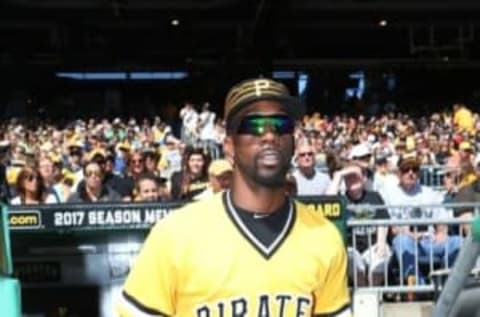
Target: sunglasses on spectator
x: 450, y: 174
x: 257, y: 124
x: 137, y: 161
x: 93, y: 173
x: 32, y: 177
x: 304, y: 154
x: 407, y: 169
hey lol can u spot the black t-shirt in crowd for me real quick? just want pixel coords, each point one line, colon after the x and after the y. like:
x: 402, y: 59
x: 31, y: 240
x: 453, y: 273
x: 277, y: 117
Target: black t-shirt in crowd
x: 362, y: 233
x: 195, y: 187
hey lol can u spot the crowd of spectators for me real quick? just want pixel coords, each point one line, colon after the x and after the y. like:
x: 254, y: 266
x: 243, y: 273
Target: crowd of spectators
x: 375, y: 160
x: 47, y: 163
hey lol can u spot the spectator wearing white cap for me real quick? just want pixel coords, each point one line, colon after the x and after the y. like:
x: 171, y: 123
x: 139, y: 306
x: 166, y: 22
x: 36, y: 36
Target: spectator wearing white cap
x: 361, y: 155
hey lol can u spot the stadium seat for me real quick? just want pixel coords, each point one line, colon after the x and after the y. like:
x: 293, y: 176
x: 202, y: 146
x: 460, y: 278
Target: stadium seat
x: 10, y: 297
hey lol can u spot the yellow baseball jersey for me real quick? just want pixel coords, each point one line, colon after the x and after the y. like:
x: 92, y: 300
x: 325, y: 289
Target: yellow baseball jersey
x: 202, y: 261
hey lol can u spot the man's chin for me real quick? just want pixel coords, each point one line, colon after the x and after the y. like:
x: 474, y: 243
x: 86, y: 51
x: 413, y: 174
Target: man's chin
x: 272, y: 181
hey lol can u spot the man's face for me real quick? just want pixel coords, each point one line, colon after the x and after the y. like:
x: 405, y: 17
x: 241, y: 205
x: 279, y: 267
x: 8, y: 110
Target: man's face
x: 305, y: 156
x: 45, y: 168
x: 148, y: 190
x: 93, y: 175
x: 75, y: 154
x: 408, y: 176
x: 196, y: 163
x: 262, y: 158
x: 221, y: 182
x: 355, y: 182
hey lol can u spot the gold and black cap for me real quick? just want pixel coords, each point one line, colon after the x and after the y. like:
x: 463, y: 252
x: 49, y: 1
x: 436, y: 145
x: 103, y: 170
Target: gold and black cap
x: 252, y: 90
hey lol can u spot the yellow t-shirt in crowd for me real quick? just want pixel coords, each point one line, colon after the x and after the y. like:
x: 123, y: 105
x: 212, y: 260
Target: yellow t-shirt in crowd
x: 463, y: 119
x: 203, y: 261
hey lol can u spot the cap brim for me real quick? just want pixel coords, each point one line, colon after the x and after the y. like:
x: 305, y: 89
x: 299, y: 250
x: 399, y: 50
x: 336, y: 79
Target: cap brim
x: 409, y: 163
x: 292, y: 105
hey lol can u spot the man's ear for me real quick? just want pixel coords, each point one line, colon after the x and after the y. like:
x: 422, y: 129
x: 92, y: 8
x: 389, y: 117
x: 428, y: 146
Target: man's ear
x: 294, y: 148
x: 228, y: 149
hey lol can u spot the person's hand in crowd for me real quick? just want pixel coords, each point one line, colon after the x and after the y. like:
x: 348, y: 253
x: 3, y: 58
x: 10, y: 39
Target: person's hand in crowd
x: 380, y: 249
x: 349, y: 170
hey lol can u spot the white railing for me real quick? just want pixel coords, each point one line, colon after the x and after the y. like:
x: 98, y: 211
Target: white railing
x: 388, y: 272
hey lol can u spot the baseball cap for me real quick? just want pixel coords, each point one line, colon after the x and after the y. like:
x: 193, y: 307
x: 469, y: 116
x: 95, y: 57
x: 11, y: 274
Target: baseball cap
x: 218, y: 167
x: 465, y: 146
x: 257, y: 89
x: 96, y: 153
x: 359, y: 151
x: 381, y: 158
x: 408, y: 159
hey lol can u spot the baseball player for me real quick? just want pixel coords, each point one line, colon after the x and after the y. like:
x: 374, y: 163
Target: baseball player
x: 249, y: 251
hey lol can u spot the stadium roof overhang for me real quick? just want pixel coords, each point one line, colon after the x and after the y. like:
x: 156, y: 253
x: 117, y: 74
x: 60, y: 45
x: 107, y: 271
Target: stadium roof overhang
x: 209, y: 33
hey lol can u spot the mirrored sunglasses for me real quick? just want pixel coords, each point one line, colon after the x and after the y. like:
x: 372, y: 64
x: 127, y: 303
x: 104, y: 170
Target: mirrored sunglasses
x: 258, y: 124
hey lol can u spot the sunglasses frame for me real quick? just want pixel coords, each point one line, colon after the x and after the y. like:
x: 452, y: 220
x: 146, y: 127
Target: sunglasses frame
x: 416, y: 170
x: 311, y: 154
x: 255, y: 124
x: 91, y: 173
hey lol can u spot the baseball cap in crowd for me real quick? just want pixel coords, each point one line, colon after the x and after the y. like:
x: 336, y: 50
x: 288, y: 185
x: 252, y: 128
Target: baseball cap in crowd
x: 75, y: 143
x: 465, y: 146
x: 4, y: 144
x: 359, y: 151
x: 124, y: 146
x: 96, y: 154
x: 218, y: 167
x: 408, y: 160
x: 381, y: 158
x: 257, y: 89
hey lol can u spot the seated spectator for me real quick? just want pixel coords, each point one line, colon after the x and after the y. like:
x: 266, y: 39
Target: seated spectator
x: 370, y: 253
x: 361, y: 155
x: 93, y: 189
x: 469, y: 194
x: 147, y: 188
x: 309, y: 180
x: 193, y: 178
x: 74, y: 161
x: 383, y: 176
x: 118, y: 184
x: 219, y: 178
x: 136, y: 167
x: 46, y: 170
x: 31, y: 190
x: 467, y: 174
x: 291, y: 185
x: 426, y: 240
x: 451, y: 178
x: 151, y: 159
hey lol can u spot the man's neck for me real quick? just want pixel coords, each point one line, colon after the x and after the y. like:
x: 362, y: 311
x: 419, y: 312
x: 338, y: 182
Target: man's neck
x: 94, y: 193
x: 308, y: 172
x: 256, y: 198
x: 355, y: 195
x: 408, y: 189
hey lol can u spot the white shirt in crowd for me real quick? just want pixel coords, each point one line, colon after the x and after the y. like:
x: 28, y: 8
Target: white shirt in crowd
x: 190, y: 119
x: 316, y: 185
x: 49, y: 200
x: 413, y: 203
x: 207, y: 126
x: 382, y: 181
